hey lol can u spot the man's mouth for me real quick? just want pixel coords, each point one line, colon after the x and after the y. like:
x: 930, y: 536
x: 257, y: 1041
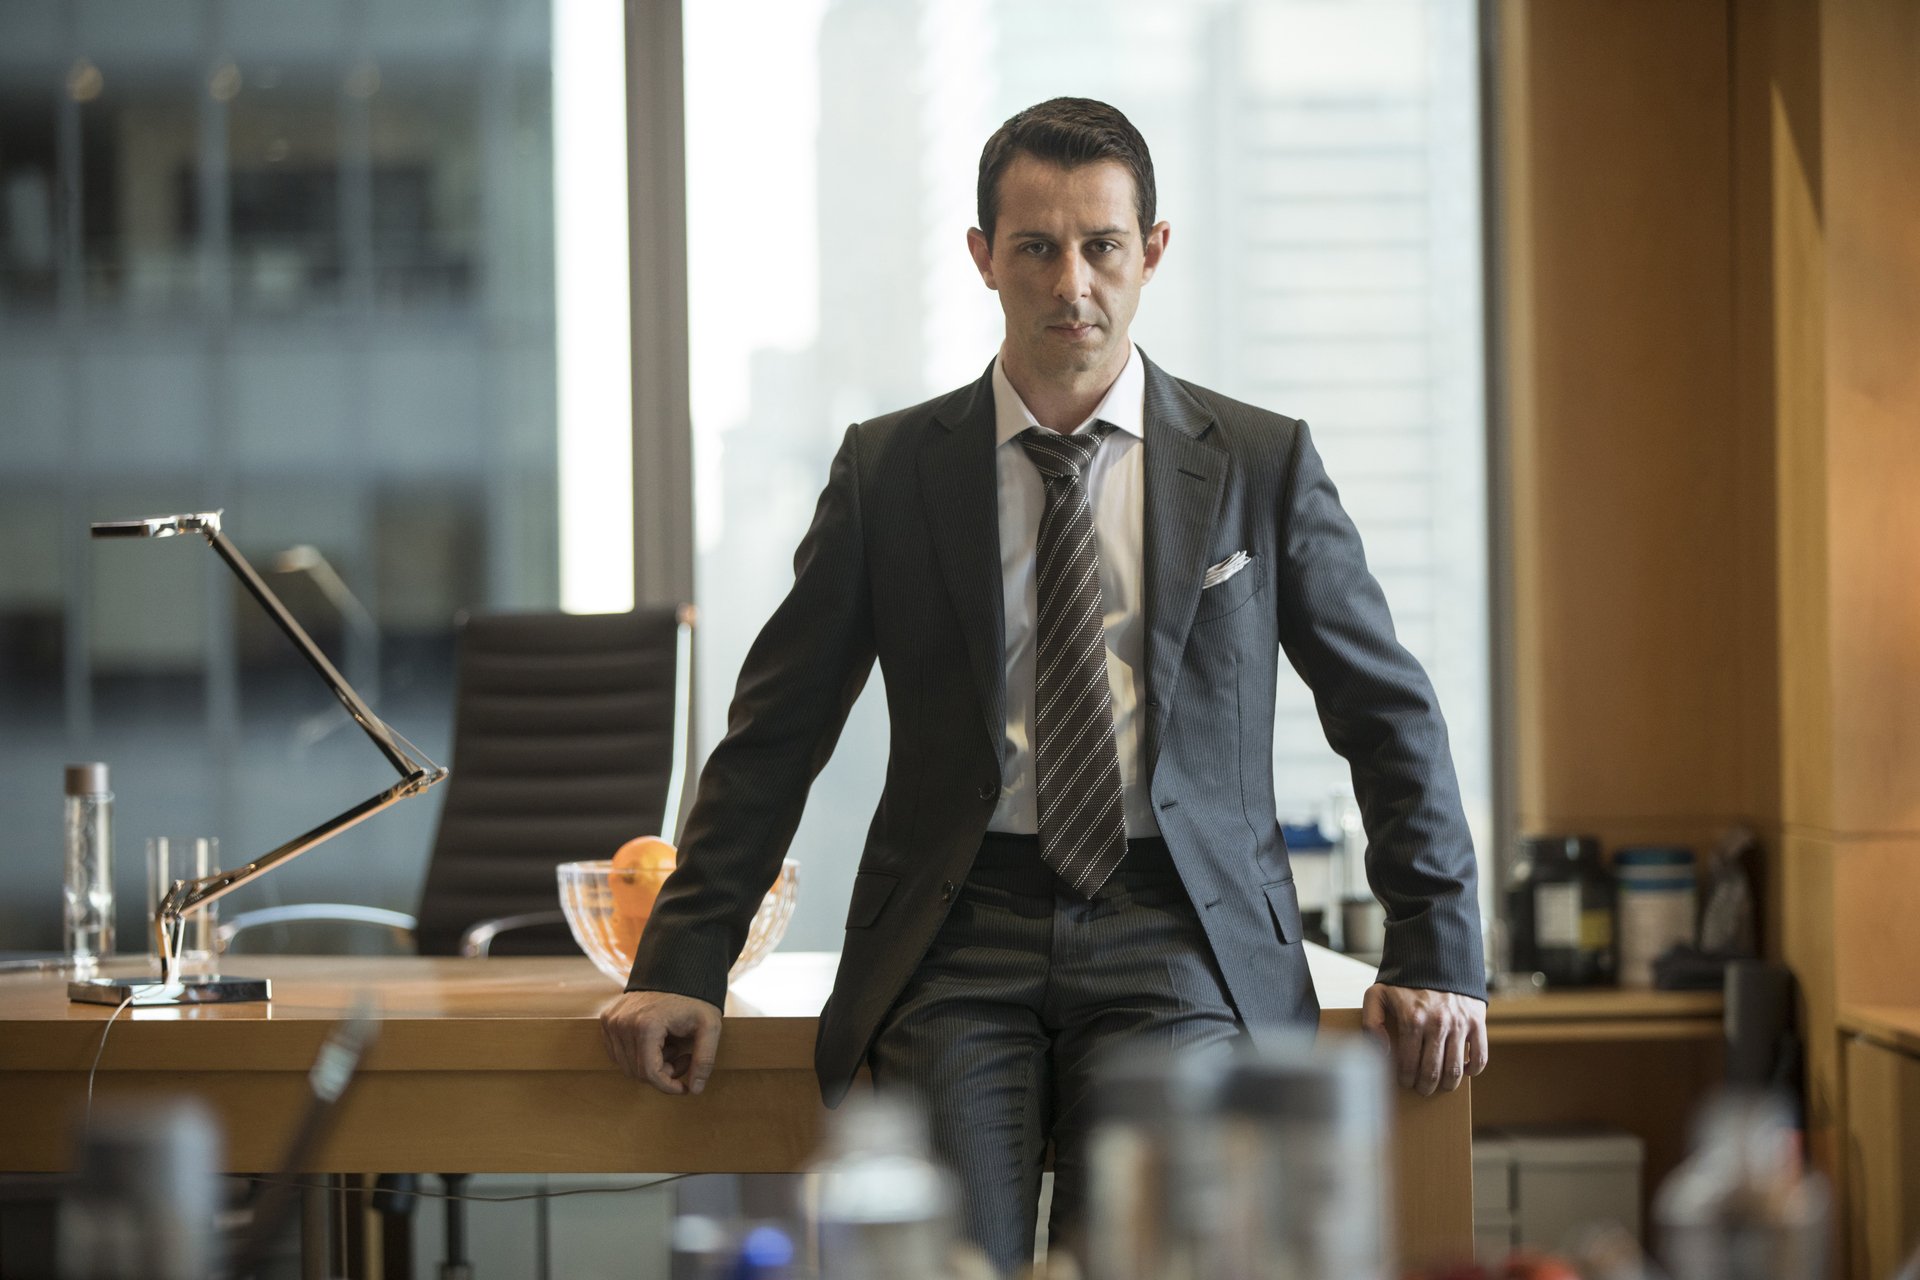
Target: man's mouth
x: 1072, y: 328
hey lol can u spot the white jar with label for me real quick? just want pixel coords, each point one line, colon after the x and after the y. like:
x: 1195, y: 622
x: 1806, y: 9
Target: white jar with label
x: 1658, y: 901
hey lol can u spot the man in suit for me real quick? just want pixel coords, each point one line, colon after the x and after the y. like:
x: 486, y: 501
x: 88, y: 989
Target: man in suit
x: 1077, y: 576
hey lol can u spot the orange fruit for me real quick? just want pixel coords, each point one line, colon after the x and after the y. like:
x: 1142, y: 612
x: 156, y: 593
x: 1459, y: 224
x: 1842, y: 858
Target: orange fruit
x: 640, y: 866
x: 626, y: 934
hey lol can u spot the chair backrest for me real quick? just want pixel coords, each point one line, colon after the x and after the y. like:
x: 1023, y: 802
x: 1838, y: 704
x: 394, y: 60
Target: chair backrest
x: 567, y: 732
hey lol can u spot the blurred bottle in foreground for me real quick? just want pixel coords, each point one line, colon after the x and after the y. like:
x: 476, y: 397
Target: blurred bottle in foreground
x: 884, y: 1208
x: 1742, y: 1206
x: 1153, y: 1170
x: 1272, y: 1166
x: 1304, y: 1160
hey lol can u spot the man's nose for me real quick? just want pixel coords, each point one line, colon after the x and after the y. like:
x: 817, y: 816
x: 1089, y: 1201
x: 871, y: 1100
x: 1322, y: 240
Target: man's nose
x: 1075, y: 275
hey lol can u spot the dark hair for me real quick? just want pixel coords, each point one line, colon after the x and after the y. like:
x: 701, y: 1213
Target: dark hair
x: 1069, y: 132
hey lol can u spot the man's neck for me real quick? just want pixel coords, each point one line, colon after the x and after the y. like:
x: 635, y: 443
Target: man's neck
x: 1063, y: 402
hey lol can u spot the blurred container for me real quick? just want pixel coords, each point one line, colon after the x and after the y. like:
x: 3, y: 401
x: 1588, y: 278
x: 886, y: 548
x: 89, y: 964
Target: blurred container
x: 1154, y: 1191
x: 1658, y: 900
x: 146, y: 1189
x: 1569, y: 907
x: 1304, y: 1172
x: 884, y: 1209
x: 1741, y: 1207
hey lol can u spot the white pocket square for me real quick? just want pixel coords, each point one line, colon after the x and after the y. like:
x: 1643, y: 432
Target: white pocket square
x: 1219, y: 573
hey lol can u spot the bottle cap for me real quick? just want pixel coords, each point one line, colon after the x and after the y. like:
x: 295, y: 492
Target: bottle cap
x: 1341, y: 1084
x: 87, y: 779
x: 1551, y: 849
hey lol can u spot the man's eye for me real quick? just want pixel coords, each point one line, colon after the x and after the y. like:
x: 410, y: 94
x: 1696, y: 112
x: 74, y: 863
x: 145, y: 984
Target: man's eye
x: 1103, y: 246
x: 1034, y: 248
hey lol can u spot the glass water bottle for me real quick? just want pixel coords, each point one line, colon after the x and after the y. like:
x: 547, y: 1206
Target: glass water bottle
x: 87, y: 933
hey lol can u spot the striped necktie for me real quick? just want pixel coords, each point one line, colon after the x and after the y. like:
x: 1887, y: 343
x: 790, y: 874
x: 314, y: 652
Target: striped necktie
x: 1083, y: 834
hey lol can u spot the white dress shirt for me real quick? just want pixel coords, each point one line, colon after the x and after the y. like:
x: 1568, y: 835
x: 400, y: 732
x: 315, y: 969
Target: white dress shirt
x: 1116, y: 488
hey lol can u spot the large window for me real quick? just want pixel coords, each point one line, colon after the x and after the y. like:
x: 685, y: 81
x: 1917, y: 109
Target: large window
x: 1318, y: 161
x: 296, y: 261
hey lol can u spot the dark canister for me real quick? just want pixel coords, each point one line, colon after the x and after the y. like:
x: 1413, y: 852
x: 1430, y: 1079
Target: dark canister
x: 1570, y: 894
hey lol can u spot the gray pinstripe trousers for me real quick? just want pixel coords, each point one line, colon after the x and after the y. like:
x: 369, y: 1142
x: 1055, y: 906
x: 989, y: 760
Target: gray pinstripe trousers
x: 1025, y: 990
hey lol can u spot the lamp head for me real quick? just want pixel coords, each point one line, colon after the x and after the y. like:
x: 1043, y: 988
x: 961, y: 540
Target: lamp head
x: 200, y: 522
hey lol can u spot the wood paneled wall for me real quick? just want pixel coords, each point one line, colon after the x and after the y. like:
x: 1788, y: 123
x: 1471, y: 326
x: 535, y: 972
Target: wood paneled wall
x: 1642, y: 521
x: 1711, y: 285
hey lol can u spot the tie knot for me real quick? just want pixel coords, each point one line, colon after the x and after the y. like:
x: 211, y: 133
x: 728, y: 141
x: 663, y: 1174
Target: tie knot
x: 1061, y: 456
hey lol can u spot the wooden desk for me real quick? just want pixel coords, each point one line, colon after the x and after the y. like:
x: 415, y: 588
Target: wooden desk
x: 498, y: 1066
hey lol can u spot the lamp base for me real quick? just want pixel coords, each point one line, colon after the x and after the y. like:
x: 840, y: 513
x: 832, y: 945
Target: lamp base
x: 148, y: 992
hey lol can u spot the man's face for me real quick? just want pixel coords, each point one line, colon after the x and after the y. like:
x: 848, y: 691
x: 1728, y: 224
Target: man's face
x: 1068, y: 261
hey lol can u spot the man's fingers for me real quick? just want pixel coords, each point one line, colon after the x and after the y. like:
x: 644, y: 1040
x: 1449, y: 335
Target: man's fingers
x: 706, y: 1044
x: 1409, y: 1044
x: 1373, y: 1015
x: 654, y: 1064
x: 1477, y: 1052
x: 666, y: 1040
x: 1432, y: 1050
x: 1453, y: 1056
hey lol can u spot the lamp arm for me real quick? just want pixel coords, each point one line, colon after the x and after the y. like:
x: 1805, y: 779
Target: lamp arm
x: 403, y: 761
x: 186, y: 897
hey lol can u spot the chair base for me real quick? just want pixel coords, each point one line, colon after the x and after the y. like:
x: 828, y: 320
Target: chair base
x: 149, y: 992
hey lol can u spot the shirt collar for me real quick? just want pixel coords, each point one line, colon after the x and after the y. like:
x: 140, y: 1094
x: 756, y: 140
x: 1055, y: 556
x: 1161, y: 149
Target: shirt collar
x: 1124, y: 405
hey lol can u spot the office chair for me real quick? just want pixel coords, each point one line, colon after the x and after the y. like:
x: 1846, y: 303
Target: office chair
x: 570, y: 738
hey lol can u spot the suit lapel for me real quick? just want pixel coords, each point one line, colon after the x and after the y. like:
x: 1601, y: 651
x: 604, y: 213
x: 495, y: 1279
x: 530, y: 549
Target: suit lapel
x: 1184, y: 480
x: 959, y: 488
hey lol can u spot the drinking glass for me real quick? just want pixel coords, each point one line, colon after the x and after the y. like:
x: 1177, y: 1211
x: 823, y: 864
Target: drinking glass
x: 171, y: 859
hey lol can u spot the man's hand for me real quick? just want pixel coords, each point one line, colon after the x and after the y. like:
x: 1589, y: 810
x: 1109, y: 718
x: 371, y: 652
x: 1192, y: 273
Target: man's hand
x: 667, y: 1040
x: 1434, y: 1037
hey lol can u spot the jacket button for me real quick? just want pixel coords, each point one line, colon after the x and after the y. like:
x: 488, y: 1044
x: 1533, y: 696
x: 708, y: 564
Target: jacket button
x: 988, y: 791
x: 946, y: 891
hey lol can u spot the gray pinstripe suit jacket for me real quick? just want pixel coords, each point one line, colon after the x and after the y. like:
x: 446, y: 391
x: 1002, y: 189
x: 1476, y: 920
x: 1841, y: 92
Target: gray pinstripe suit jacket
x: 902, y: 563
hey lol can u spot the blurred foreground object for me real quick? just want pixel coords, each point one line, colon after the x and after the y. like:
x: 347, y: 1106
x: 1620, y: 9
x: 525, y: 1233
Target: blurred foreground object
x: 1269, y: 1165
x: 1742, y: 1207
x: 147, y: 1191
x: 885, y: 1208
x: 1304, y: 1133
x: 1154, y: 1196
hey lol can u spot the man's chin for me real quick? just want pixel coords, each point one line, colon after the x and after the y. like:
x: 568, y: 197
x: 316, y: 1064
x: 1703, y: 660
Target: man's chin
x: 1083, y: 357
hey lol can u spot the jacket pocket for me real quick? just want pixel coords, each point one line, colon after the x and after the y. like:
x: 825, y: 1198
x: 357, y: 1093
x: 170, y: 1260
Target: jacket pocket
x: 1217, y: 601
x: 1284, y: 901
x: 871, y: 889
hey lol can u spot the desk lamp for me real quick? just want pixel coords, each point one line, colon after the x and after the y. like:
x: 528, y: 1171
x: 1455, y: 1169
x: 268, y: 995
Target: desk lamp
x: 185, y: 897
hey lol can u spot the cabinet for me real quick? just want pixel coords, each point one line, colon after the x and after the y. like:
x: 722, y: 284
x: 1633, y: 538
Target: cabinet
x: 1881, y: 1049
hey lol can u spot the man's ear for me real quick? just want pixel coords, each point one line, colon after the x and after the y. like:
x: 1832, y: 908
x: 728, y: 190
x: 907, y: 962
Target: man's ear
x: 982, y: 255
x: 1155, y: 247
